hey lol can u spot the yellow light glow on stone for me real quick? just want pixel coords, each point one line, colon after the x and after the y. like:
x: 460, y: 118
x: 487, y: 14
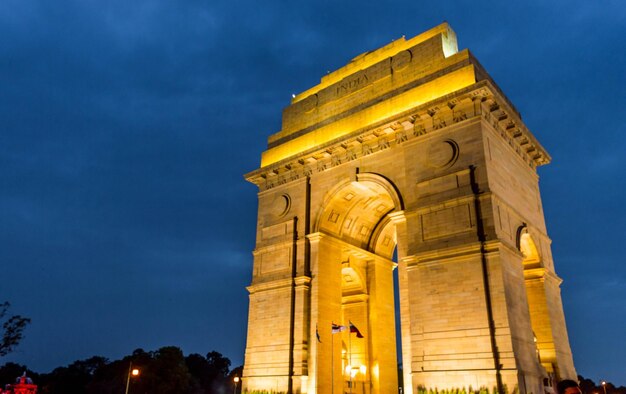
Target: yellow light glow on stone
x: 376, y: 113
x: 375, y: 370
x: 368, y: 59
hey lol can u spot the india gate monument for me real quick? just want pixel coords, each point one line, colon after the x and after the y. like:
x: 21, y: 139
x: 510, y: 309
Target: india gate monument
x: 408, y: 158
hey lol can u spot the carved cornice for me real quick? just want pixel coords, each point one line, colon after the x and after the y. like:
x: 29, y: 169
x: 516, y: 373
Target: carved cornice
x: 507, y: 123
x: 481, y: 101
x: 299, y: 281
x: 353, y: 250
x: 354, y: 298
x: 315, y: 237
x: 540, y: 275
x: 452, y: 254
x: 266, y: 286
x: 447, y: 255
x: 397, y: 217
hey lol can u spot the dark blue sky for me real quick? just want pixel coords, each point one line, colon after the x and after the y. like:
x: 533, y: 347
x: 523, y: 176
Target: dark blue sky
x: 126, y: 128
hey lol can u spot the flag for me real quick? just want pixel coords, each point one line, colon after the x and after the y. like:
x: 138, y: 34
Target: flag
x: 355, y: 330
x: 317, y: 334
x: 338, y: 328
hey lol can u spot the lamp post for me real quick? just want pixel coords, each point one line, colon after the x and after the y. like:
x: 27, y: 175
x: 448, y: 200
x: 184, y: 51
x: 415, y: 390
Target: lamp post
x: 236, y: 380
x: 131, y: 371
x: 604, y: 386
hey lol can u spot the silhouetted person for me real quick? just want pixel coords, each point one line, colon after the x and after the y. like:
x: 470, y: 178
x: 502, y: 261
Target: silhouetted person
x: 568, y: 386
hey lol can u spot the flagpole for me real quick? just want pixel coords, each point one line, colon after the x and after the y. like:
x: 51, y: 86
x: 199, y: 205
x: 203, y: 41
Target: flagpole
x: 332, y: 360
x: 350, y: 354
x: 317, y: 359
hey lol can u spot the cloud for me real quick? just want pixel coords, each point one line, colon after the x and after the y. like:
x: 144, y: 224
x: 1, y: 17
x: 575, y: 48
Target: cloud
x: 126, y: 128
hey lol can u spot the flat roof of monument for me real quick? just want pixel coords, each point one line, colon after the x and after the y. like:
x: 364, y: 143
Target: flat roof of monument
x: 404, y: 79
x: 370, y: 58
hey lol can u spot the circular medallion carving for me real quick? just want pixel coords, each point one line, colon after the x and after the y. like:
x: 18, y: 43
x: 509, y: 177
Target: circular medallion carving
x: 309, y: 103
x: 443, y: 154
x: 282, y: 205
x: 401, y: 60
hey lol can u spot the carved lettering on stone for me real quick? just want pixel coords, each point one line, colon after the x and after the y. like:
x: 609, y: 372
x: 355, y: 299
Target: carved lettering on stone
x: 352, y: 84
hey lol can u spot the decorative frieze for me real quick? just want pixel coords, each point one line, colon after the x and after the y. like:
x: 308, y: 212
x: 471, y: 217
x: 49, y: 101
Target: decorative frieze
x: 478, y: 102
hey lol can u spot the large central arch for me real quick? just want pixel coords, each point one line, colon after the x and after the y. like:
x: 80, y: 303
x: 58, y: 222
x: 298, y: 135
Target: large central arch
x: 354, y: 239
x: 411, y: 147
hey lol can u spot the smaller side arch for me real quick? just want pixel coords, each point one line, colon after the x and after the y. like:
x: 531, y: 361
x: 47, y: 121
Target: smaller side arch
x: 526, y: 245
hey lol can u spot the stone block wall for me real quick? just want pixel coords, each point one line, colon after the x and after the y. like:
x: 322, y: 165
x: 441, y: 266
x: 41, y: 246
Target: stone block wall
x: 409, y: 148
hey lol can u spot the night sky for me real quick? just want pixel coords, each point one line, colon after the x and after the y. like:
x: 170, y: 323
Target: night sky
x: 126, y: 128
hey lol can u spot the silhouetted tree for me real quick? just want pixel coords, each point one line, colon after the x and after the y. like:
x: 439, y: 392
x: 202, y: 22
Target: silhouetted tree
x: 218, y: 363
x: 109, y: 378
x: 164, y: 371
x: 588, y: 386
x: 73, y: 379
x: 169, y: 371
x: 209, y: 374
x: 198, y: 368
x: 13, y: 329
x: 218, y: 372
x: 65, y: 380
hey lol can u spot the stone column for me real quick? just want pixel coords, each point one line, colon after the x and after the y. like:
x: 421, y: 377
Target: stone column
x: 399, y: 220
x: 383, y: 359
x: 325, y: 356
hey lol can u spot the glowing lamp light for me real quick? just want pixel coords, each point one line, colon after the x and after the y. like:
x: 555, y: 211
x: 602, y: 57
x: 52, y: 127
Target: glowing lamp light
x: 236, y: 380
x: 363, y: 369
x: 134, y: 372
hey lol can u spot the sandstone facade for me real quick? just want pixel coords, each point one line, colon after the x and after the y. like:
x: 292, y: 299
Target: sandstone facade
x: 411, y: 149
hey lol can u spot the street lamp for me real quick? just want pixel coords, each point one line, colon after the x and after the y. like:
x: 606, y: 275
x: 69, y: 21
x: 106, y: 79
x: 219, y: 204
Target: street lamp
x: 236, y: 380
x: 131, y: 372
x: 604, y: 386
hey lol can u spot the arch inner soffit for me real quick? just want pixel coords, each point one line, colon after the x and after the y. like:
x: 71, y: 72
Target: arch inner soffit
x: 357, y: 214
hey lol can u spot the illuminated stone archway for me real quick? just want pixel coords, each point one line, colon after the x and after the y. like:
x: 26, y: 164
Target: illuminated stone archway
x: 542, y: 290
x: 413, y: 147
x: 358, y: 212
x: 354, y: 239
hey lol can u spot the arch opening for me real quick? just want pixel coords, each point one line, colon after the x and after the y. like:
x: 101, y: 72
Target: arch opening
x: 526, y: 244
x: 534, y: 275
x: 360, y: 241
x: 356, y: 212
